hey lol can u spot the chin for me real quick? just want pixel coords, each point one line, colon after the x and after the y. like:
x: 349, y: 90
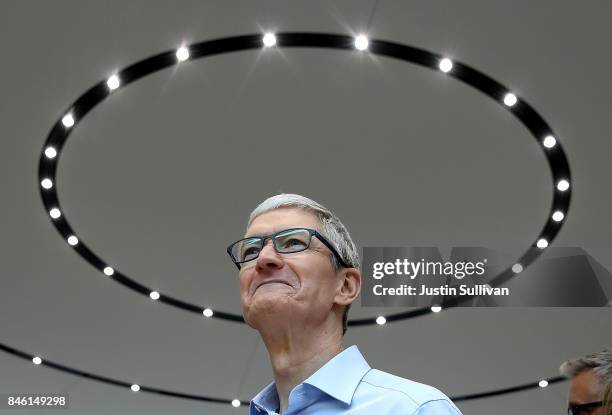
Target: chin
x: 262, y: 309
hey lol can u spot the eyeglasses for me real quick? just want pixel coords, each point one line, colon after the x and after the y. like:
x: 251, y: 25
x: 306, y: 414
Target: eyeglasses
x: 285, y: 242
x: 583, y: 408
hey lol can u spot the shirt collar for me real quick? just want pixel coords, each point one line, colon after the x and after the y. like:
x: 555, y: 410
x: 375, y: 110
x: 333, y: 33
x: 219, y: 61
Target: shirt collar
x: 349, y: 365
x: 267, y: 398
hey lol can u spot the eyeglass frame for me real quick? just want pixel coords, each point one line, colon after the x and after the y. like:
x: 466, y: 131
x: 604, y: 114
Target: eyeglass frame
x: 579, y: 407
x: 272, y: 236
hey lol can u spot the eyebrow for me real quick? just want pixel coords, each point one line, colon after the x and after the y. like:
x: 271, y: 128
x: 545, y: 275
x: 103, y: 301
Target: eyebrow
x: 276, y: 230
x: 258, y: 235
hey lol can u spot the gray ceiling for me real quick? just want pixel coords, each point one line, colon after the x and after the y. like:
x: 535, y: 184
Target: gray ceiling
x: 161, y: 176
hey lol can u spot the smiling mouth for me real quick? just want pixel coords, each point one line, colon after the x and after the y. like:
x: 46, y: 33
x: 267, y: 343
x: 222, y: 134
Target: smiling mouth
x: 271, y: 282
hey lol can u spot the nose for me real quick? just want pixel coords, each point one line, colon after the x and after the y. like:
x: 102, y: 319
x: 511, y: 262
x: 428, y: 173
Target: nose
x: 268, y: 258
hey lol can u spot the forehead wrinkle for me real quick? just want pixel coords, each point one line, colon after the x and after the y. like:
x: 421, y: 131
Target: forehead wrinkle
x: 275, y: 229
x: 287, y: 219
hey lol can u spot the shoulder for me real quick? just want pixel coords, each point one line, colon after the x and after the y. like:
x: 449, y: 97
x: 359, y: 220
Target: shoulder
x: 411, y: 397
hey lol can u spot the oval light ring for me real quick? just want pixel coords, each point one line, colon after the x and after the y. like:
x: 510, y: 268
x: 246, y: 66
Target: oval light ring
x: 525, y: 113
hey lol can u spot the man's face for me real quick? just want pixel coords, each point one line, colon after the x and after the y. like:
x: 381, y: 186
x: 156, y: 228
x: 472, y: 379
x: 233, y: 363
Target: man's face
x: 297, y: 287
x: 585, y: 388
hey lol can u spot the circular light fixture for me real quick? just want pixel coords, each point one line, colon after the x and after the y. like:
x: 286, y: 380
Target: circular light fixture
x: 361, y: 42
x: 549, y: 141
x: 269, y: 40
x: 46, y: 183
x: 72, y: 240
x: 202, y: 398
x: 50, y: 152
x: 207, y: 312
x: 517, y: 268
x: 510, y: 99
x: 68, y: 120
x: 558, y: 216
x: 446, y: 65
x: 55, y: 213
x: 526, y: 114
x: 563, y: 185
x: 380, y: 320
x: 543, y: 383
x: 108, y: 271
x: 182, y: 54
x: 36, y: 360
x: 154, y: 295
x: 542, y: 243
x: 235, y: 403
x: 113, y: 82
x: 436, y: 308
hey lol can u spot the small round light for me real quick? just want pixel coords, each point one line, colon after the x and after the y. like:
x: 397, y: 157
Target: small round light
x: 563, y: 185
x: 50, y: 152
x: 135, y: 388
x: 46, y: 183
x: 269, y: 40
x: 154, y: 295
x: 510, y: 99
x: 73, y: 240
x: 182, y: 54
x: 380, y: 320
x: 549, y: 141
x: 108, y: 271
x: 113, y: 82
x: 543, y: 383
x: 207, y: 312
x: 55, y: 213
x: 517, y: 268
x: 558, y: 216
x: 542, y: 243
x: 68, y: 120
x: 361, y: 42
x: 235, y: 403
x: 436, y: 308
x: 37, y: 360
x: 445, y: 65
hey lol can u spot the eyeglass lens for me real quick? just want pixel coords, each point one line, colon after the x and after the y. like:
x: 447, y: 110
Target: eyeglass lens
x: 291, y: 240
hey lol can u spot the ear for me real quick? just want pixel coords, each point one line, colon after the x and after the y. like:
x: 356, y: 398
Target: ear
x: 349, y: 286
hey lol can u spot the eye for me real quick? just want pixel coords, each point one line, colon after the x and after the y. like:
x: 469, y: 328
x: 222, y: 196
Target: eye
x: 249, y: 250
x: 293, y: 244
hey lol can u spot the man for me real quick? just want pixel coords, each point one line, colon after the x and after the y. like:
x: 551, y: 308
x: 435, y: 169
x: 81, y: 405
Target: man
x: 589, y: 376
x: 298, y: 277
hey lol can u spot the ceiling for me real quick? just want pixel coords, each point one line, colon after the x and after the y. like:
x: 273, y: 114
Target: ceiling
x: 153, y: 180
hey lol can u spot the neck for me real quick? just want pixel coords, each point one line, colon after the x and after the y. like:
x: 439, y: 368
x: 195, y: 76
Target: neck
x: 297, y: 354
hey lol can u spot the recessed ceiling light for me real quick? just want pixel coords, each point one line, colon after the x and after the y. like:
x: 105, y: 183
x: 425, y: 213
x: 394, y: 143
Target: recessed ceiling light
x: 68, y: 120
x: 549, y: 141
x: 113, y: 82
x: 269, y: 40
x: 50, y: 152
x: 361, y: 42
x: 445, y: 65
x: 510, y: 99
x: 182, y: 54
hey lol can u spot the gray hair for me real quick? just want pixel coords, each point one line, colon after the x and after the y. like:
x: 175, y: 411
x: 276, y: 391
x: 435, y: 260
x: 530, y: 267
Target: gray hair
x: 330, y: 227
x: 600, y: 362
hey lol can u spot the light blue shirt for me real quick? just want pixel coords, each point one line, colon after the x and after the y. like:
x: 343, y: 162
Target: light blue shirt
x: 347, y: 384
